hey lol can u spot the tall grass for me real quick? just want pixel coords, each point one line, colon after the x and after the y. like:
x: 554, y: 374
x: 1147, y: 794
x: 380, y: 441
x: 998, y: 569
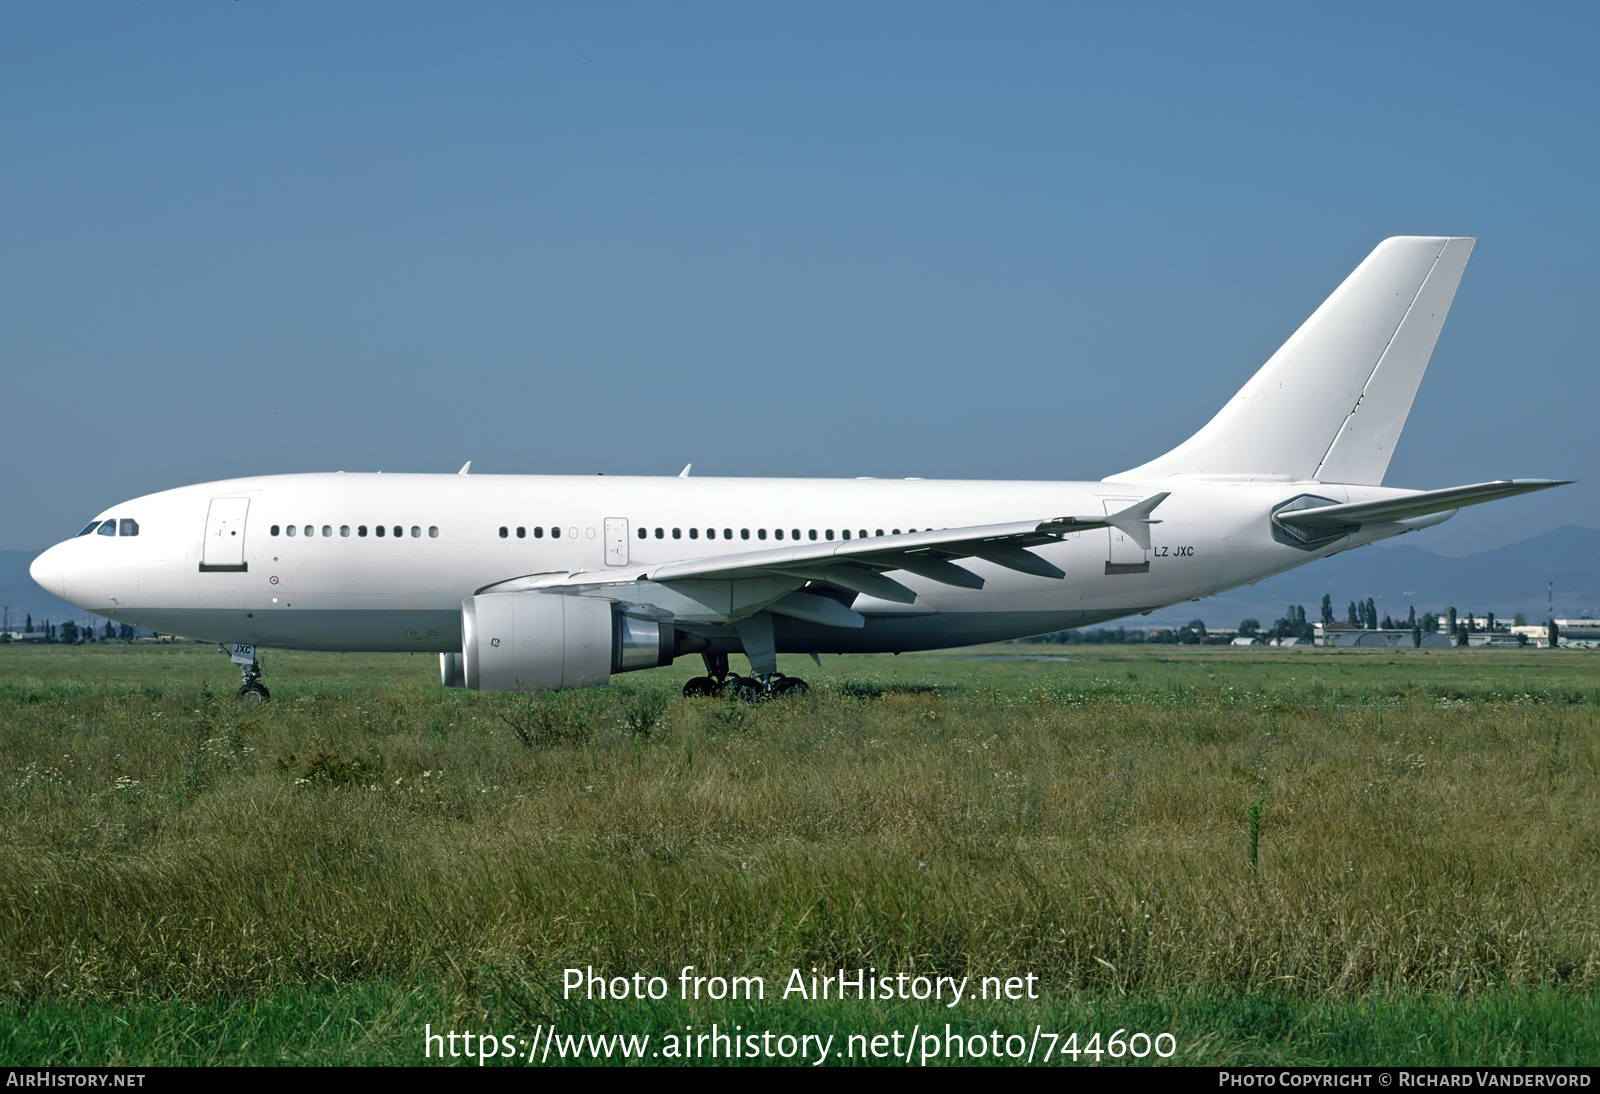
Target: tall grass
x: 162, y: 841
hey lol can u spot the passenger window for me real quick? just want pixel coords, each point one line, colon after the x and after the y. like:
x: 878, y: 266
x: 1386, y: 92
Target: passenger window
x: 727, y: 533
x: 538, y: 531
x: 128, y: 527
x: 777, y: 533
x: 761, y: 533
x: 744, y: 533
x: 522, y: 533
x: 398, y: 531
x: 555, y: 533
x: 845, y: 533
x: 694, y: 533
x: 344, y: 530
x: 829, y: 534
x: 109, y: 528
x: 814, y: 533
x: 661, y: 533
x: 416, y: 532
x: 643, y: 532
x: 273, y: 530
x: 361, y: 530
x: 433, y: 531
x: 377, y: 530
x: 677, y: 533
x: 311, y: 530
x: 289, y: 530
x: 327, y: 530
x: 503, y: 532
x: 794, y: 533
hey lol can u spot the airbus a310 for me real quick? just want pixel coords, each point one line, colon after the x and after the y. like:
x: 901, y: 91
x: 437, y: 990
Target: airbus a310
x: 526, y: 582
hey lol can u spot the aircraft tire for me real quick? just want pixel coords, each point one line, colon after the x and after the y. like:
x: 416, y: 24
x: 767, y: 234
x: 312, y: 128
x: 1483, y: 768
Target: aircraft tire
x: 255, y: 691
x: 702, y: 687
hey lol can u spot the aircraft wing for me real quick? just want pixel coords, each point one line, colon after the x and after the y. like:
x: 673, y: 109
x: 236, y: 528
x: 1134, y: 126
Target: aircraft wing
x: 1420, y: 504
x: 860, y: 565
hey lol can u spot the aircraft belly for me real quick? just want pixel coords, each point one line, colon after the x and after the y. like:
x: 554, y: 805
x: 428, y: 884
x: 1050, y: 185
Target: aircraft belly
x: 356, y: 630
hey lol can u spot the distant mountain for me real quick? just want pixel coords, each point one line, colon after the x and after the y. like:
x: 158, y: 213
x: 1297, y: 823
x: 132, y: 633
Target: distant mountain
x: 1505, y: 580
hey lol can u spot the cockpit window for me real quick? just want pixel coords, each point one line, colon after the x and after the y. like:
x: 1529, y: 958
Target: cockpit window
x: 128, y: 527
x: 91, y: 526
x: 109, y: 528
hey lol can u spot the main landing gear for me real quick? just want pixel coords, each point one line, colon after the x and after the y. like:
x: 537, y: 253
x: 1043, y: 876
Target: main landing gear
x: 718, y: 682
x: 250, y: 672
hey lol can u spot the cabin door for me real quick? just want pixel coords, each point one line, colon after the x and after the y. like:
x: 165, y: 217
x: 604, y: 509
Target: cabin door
x: 1123, y: 555
x: 223, y: 548
x: 616, y: 541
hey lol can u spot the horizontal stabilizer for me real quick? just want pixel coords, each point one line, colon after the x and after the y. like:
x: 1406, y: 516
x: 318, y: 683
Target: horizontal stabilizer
x: 1420, y: 504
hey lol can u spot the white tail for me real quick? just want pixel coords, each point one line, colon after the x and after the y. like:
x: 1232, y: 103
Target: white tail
x: 1330, y: 404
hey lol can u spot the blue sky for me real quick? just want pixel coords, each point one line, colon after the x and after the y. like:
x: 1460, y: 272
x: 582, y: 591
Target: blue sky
x: 965, y: 241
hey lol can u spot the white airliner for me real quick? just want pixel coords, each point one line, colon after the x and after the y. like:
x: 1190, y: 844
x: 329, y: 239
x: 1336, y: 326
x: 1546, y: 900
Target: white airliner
x: 525, y: 582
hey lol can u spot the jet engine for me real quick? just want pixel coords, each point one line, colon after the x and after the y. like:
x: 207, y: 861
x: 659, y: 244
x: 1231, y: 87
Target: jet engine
x: 540, y: 641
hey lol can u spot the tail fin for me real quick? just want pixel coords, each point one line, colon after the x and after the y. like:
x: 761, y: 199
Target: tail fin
x: 1330, y: 404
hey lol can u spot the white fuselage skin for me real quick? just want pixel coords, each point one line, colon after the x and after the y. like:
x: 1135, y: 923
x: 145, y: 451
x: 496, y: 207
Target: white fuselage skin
x: 337, y: 589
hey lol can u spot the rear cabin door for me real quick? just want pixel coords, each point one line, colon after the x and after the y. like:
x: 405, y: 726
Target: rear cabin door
x: 223, y: 549
x: 1123, y: 555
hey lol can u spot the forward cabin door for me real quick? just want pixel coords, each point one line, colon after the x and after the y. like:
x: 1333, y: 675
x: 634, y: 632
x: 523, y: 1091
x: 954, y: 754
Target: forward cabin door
x: 223, y: 548
x: 616, y: 541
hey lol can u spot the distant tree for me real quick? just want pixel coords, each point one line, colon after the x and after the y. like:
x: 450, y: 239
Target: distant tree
x: 1249, y: 628
x: 1450, y: 622
x: 1327, y: 608
x: 1519, y: 620
x: 1388, y: 624
x: 27, y: 628
x: 126, y: 632
x: 69, y: 633
x: 1430, y: 623
x: 1488, y: 623
x: 110, y: 631
x: 1372, y: 615
x: 1353, y: 617
x: 1411, y: 617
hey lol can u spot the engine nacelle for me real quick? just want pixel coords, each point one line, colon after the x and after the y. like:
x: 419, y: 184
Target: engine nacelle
x: 539, y: 641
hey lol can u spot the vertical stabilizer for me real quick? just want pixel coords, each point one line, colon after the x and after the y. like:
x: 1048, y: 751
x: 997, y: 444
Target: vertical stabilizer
x: 1330, y: 404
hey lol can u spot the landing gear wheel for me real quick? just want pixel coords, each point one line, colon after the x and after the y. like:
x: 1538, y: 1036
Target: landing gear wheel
x: 746, y: 689
x: 250, y: 685
x: 702, y: 687
x: 788, y: 685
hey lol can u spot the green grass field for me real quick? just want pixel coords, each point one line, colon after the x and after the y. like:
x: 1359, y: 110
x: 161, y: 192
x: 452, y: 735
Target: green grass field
x: 1296, y: 856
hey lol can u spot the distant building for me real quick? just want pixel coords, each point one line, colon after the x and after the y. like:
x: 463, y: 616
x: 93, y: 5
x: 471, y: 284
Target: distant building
x: 1576, y: 633
x: 1345, y: 634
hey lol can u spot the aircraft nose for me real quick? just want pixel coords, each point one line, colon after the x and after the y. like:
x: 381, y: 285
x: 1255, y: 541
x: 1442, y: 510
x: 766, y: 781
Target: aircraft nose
x: 50, y: 571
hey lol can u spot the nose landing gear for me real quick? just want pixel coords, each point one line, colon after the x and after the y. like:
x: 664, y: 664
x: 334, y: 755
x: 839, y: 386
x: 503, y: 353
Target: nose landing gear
x: 249, y: 671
